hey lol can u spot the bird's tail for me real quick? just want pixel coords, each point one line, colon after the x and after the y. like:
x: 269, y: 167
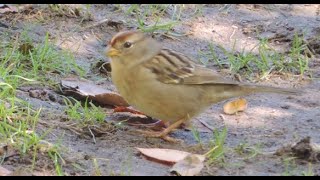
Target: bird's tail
x: 268, y: 89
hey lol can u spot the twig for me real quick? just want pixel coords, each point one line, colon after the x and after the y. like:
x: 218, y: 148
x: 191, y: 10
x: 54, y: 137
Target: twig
x: 97, y: 24
x: 150, y: 125
x: 222, y: 117
x: 101, y: 131
x: 206, y: 125
x: 225, y: 7
x: 171, y: 37
x: 64, y: 126
x: 93, y: 137
x: 210, y: 151
x: 234, y: 31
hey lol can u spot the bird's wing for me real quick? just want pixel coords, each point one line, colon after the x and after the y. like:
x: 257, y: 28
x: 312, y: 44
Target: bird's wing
x: 171, y: 67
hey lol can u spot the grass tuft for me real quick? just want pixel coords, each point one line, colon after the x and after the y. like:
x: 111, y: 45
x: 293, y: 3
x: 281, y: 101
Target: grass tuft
x: 268, y: 60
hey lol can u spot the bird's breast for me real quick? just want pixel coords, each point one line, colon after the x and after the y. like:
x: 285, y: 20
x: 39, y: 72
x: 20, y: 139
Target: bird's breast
x: 162, y: 101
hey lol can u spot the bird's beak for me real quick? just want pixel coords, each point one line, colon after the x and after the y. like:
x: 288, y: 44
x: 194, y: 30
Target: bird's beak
x: 112, y: 52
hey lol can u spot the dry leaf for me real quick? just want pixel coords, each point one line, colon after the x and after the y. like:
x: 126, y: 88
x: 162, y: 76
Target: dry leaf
x: 166, y: 156
x: 84, y: 89
x: 191, y: 165
x: 235, y: 106
x: 4, y: 171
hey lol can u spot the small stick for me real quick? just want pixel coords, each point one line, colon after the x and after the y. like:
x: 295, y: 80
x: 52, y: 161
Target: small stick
x: 97, y: 24
x: 93, y: 137
x: 207, y: 125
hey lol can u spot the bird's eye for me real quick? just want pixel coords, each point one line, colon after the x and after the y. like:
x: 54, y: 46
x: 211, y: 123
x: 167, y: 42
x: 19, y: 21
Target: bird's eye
x: 127, y: 44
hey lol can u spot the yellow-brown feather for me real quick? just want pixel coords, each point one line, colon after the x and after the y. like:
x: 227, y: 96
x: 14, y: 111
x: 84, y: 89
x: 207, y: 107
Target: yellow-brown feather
x: 121, y: 37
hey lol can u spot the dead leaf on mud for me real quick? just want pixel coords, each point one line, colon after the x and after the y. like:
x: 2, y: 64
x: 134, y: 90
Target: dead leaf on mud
x: 191, y: 165
x: 303, y: 149
x: 165, y: 156
x: 235, y: 106
x: 84, y: 88
x: 4, y: 171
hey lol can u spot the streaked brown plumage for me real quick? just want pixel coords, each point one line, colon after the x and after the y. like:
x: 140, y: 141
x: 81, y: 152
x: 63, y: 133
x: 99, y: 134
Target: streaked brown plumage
x: 167, y: 85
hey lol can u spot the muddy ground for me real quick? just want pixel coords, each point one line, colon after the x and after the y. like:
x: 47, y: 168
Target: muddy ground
x: 270, y: 122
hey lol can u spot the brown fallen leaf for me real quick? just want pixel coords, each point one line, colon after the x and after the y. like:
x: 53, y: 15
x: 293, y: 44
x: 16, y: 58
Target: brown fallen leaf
x: 235, y: 106
x: 83, y: 89
x: 165, y: 156
x: 191, y: 165
x: 4, y: 171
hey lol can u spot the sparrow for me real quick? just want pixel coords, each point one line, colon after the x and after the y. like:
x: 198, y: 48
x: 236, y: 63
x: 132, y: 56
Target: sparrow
x: 169, y: 85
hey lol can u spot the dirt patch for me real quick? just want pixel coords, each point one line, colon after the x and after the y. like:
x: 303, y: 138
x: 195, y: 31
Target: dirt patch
x: 270, y: 120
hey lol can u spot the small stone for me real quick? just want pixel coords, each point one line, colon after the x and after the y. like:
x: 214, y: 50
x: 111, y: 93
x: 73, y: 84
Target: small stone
x: 285, y: 107
x: 86, y: 157
x: 52, y: 97
x: 33, y: 93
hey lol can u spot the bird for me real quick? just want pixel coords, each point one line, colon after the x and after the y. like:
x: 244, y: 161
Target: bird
x: 169, y: 85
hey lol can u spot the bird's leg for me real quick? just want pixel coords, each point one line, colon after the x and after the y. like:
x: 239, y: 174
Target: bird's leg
x: 164, y: 134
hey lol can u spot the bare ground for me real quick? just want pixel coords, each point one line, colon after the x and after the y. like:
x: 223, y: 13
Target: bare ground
x: 270, y: 122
